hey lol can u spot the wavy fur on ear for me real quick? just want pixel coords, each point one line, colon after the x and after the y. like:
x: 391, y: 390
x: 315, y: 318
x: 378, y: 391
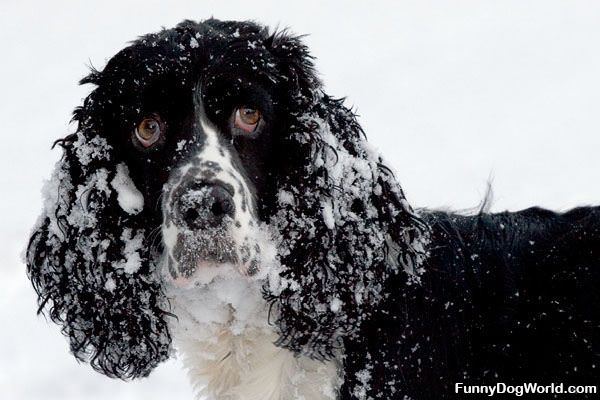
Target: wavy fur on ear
x: 89, y: 260
x: 344, y: 221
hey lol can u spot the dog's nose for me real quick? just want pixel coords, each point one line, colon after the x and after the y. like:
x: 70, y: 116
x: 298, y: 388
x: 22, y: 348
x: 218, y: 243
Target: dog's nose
x: 202, y: 205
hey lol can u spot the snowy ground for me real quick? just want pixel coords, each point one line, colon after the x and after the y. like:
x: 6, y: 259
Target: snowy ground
x: 453, y: 94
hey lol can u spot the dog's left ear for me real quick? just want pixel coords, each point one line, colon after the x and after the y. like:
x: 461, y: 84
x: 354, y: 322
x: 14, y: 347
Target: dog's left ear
x: 344, y: 221
x: 89, y: 259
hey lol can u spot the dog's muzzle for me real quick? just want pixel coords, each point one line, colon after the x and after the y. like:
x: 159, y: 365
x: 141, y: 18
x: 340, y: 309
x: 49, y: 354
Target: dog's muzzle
x: 206, y: 224
x: 199, y: 227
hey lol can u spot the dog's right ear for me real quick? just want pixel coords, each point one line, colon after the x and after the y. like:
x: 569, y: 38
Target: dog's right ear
x: 89, y: 256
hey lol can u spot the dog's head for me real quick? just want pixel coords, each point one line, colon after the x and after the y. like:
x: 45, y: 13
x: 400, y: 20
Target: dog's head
x: 195, y: 142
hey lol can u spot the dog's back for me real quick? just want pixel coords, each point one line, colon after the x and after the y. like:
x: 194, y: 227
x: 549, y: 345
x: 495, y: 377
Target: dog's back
x: 509, y: 298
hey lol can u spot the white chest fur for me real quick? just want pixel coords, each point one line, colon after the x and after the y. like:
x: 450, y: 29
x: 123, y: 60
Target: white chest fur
x: 227, y: 347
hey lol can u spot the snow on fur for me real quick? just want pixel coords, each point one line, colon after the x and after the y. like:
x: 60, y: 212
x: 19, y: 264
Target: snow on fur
x: 355, y: 213
x: 90, y: 264
x: 129, y: 197
x: 341, y: 227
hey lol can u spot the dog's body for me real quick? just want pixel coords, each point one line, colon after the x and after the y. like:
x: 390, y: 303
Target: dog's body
x: 215, y: 197
x: 507, y: 297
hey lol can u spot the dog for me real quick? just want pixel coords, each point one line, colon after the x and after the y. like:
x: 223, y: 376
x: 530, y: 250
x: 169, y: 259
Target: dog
x: 214, y: 200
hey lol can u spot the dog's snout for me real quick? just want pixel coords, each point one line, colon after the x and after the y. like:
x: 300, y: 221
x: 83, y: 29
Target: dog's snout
x: 203, y: 205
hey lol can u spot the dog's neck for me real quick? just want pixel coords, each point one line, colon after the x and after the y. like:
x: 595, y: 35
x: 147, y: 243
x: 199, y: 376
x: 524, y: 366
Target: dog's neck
x: 226, y: 343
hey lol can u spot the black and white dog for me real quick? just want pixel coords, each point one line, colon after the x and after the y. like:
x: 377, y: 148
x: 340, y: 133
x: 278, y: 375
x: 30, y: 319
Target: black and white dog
x: 214, y: 197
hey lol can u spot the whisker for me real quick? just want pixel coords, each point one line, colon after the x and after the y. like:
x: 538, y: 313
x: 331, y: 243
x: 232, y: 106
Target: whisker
x: 158, y: 200
x: 152, y: 236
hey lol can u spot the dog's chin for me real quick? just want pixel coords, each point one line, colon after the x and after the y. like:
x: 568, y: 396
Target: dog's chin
x: 198, y: 259
x: 203, y: 273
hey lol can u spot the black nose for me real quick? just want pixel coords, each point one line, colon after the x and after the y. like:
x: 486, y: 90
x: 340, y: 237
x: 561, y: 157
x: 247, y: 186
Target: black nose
x: 204, y: 205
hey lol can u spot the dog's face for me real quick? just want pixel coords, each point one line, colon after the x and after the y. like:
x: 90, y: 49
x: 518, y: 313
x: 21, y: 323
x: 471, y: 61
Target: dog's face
x: 198, y: 125
x: 192, y: 141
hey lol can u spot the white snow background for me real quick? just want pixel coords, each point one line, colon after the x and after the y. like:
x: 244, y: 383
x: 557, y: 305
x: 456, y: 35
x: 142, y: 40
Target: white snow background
x: 452, y: 92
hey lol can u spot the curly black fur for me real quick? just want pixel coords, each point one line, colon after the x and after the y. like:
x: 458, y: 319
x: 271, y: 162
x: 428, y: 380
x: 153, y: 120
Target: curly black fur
x: 311, y: 242
x: 121, y: 332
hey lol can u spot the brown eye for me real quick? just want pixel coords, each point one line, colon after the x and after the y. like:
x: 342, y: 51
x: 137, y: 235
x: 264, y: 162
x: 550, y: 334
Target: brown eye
x: 149, y: 130
x: 247, y: 119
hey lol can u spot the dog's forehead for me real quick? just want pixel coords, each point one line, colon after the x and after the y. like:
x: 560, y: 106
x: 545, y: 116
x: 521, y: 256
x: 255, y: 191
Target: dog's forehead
x: 193, y: 51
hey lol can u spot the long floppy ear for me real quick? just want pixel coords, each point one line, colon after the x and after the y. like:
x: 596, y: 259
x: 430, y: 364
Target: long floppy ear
x: 89, y: 259
x: 345, y: 224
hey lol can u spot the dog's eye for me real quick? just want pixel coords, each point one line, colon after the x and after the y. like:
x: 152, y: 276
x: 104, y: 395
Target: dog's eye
x: 149, y: 130
x: 247, y: 119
